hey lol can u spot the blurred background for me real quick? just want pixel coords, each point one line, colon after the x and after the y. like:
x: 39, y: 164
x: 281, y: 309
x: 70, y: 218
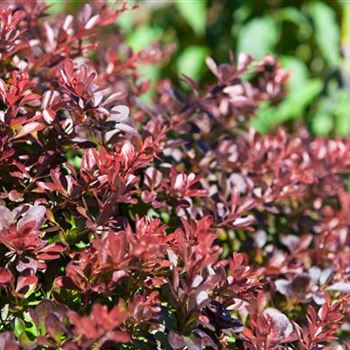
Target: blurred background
x: 311, y: 38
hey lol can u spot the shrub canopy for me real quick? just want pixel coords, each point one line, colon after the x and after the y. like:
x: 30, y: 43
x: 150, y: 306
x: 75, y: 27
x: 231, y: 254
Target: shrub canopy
x: 169, y: 225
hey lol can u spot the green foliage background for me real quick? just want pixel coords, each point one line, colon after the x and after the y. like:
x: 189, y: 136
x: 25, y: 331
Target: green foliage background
x: 312, y: 39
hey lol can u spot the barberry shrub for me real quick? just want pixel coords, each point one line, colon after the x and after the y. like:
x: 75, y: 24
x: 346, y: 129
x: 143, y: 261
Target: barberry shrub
x: 168, y: 225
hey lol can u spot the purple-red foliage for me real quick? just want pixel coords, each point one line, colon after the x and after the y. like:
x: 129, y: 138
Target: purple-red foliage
x: 165, y: 226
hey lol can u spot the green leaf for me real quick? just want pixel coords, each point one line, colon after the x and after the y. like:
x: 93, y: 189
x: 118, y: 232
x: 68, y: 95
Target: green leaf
x: 20, y: 327
x: 126, y: 19
x: 194, y: 12
x: 74, y: 159
x: 341, y: 112
x: 258, y: 37
x: 292, y: 107
x: 149, y: 73
x: 295, y: 16
x: 297, y: 70
x: 345, y: 23
x: 30, y: 291
x: 143, y: 36
x: 165, y: 217
x: 4, y: 312
x: 81, y: 245
x: 322, y: 124
x: 191, y: 61
x: 140, y: 38
x: 326, y: 30
x: 56, y: 6
x: 151, y: 214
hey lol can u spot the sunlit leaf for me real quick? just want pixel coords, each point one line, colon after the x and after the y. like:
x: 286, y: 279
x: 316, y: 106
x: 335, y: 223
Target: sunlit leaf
x: 326, y: 30
x: 297, y: 70
x: 143, y: 36
x: 341, y: 112
x: 293, y: 107
x: 194, y: 11
x: 258, y: 37
x: 20, y: 326
x: 191, y: 61
x: 322, y: 124
x: 56, y: 6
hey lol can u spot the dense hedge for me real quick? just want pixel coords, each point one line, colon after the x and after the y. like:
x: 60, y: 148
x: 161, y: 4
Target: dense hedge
x: 172, y: 225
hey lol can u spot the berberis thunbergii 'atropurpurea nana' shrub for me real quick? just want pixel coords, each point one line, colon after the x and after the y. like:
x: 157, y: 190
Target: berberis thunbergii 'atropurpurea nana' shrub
x: 166, y: 225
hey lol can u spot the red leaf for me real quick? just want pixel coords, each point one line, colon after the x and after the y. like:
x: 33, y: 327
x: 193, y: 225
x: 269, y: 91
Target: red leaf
x: 5, y: 276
